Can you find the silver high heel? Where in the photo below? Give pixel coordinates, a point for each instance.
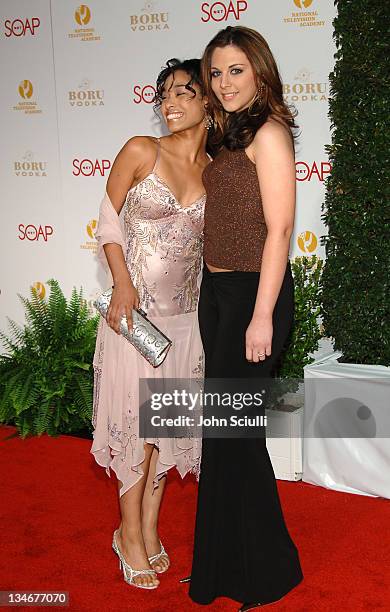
(128, 572)
(184, 580)
(154, 558)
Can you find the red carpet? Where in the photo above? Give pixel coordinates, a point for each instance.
(59, 511)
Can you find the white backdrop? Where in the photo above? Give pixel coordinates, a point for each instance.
(77, 82)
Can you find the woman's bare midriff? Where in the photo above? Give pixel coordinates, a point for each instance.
(214, 269)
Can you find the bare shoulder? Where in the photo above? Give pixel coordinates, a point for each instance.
(273, 133)
(134, 160)
(132, 163)
(139, 147)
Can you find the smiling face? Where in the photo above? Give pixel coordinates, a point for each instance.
(180, 108)
(233, 79)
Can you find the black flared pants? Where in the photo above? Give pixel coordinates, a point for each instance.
(242, 548)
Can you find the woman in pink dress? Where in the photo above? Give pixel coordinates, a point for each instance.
(155, 265)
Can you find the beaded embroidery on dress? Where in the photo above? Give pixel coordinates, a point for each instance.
(163, 251)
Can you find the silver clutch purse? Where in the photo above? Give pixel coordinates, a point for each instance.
(145, 337)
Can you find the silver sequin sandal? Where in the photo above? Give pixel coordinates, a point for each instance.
(154, 558)
(128, 572)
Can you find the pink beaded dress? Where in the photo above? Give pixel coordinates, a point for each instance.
(162, 244)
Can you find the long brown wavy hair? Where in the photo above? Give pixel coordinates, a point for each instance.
(237, 130)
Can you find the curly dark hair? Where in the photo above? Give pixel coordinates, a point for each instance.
(237, 130)
(190, 66)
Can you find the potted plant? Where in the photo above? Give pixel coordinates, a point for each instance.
(46, 375)
(356, 279)
(285, 417)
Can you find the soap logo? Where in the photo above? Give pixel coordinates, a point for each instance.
(35, 233)
(85, 95)
(82, 15)
(18, 27)
(150, 19)
(39, 290)
(90, 167)
(27, 166)
(91, 244)
(303, 3)
(91, 228)
(26, 89)
(305, 88)
(307, 241)
(305, 171)
(222, 11)
(143, 94)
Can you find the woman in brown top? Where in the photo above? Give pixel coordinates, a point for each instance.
(242, 546)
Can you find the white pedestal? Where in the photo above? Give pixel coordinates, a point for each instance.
(284, 441)
(347, 416)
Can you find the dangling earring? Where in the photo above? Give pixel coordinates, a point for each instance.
(257, 99)
(207, 121)
(260, 92)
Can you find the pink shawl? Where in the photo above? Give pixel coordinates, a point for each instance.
(109, 230)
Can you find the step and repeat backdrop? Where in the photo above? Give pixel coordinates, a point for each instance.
(77, 82)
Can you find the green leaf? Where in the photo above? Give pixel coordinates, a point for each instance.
(46, 376)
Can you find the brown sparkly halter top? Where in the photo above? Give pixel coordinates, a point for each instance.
(234, 224)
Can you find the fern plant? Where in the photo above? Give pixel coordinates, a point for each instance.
(46, 375)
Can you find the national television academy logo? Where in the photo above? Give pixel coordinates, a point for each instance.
(39, 290)
(304, 18)
(91, 244)
(27, 105)
(307, 241)
(91, 229)
(303, 3)
(26, 89)
(82, 17)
